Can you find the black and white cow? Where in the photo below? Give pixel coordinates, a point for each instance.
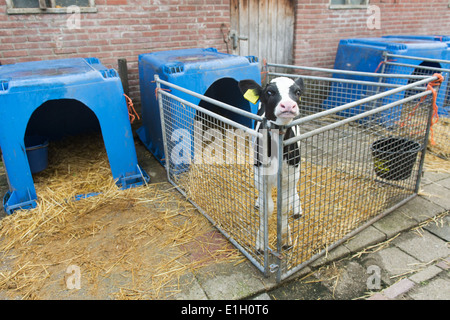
(278, 103)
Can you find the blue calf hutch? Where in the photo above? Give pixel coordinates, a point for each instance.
(204, 71)
(368, 54)
(438, 38)
(53, 99)
(443, 99)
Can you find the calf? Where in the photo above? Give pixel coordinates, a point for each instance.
(279, 104)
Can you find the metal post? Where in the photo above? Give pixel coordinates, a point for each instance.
(266, 194)
(123, 74)
(425, 143)
(281, 131)
(163, 126)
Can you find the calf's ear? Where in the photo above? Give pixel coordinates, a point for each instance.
(251, 90)
(299, 82)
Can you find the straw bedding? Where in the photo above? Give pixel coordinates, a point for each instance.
(143, 242)
(129, 244)
(438, 155)
(334, 202)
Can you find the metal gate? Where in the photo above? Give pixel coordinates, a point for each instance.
(209, 158)
(353, 169)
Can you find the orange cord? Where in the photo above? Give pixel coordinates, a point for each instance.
(435, 116)
(157, 89)
(132, 114)
(381, 63)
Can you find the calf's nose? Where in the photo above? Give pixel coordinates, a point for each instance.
(288, 106)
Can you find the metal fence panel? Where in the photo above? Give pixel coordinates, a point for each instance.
(210, 160)
(340, 186)
(350, 173)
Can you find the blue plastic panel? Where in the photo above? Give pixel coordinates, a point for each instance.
(439, 38)
(203, 71)
(366, 54)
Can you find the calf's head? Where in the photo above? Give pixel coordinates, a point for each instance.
(279, 98)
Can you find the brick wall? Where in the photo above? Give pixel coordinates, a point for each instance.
(120, 29)
(127, 28)
(318, 29)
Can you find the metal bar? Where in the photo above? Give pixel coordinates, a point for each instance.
(266, 194)
(163, 125)
(348, 236)
(337, 71)
(213, 101)
(360, 102)
(354, 118)
(424, 149)
(280, 200)
(212, 114)
(391, 55)
(359, 82)
(417, 66)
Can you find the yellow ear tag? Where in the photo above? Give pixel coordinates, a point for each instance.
(251, 96)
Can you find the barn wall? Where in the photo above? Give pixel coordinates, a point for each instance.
(318, 29)
(127, 28)
(120, 29)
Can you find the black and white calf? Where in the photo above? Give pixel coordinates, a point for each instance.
(278, 103)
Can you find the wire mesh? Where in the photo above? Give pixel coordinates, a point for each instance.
(211, 163)
(351, 174)
(356, 163)
(421, 66)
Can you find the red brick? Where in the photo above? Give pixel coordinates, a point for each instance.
(116, 2)
(123, 28)
(15, 53)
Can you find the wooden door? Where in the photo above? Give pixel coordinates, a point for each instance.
(263, 28)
